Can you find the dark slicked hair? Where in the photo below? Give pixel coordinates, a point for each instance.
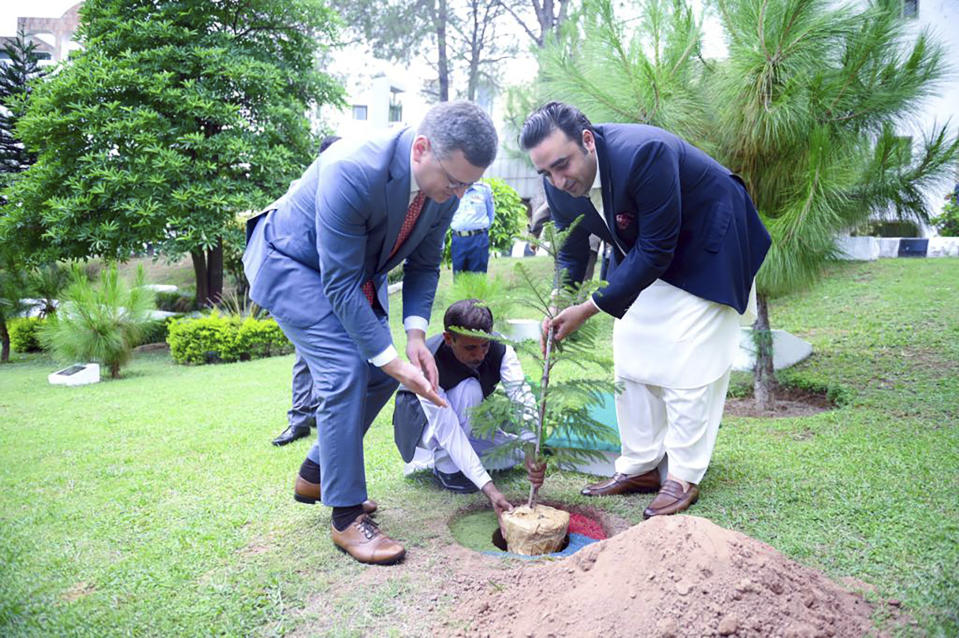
(328, 142)
(468, 314)
(461, 126)
(549, 117)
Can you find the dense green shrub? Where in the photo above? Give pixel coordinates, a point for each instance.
(24, 334)
(154, 331)
(510, 220)
(175, 301)
(261, 338)
(217, 338)
(947, 223)
(899, 228)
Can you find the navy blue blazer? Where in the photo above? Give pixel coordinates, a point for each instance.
(334, 230)
(671, 212)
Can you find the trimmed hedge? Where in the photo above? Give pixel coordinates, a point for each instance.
(23, 334)
(215, 338)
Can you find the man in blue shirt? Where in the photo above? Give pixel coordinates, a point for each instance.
(470, 229)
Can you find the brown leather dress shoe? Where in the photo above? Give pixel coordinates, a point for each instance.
(671, 499)
(307, 492)
(624, 484)
(364, 541)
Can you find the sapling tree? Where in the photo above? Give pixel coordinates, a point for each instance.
(563, 401)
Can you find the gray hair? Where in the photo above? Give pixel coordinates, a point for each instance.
(461, 126)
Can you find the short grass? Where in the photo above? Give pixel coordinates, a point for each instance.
(154, 505)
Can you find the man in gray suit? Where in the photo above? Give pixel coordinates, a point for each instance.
(318, 262)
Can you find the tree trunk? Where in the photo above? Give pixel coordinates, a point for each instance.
(5, 339)
(214, 270)
(764, 377)
(208, 271)
(442, 65)
(199, 274)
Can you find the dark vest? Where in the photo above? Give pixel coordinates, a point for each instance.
(452, 372)
(408, 417)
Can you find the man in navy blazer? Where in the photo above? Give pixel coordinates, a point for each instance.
(318, 261)
(687, 243)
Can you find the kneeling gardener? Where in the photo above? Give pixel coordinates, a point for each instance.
(469, 368)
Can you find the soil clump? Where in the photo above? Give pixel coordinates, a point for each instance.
(669, 576)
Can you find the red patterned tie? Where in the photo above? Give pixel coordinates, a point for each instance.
(412, 214)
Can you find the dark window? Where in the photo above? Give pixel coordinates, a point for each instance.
(910, 8)
(396, 112)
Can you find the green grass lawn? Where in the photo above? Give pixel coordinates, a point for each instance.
(155, 505)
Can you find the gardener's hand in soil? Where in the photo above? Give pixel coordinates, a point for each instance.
(496, 499)
(414, 379)
(536, 472)
(420, 356)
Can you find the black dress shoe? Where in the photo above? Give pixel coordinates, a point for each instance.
(455, 482)
(292, 433)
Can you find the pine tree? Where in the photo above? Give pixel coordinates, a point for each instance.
(22, 67)
(563, 406)
(808, 107)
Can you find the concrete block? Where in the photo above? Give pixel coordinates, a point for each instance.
(888, 247)
(858, 248)
(788, 350)
(943, 247)
(79, 374)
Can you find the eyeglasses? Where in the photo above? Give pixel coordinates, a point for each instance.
(454, 184)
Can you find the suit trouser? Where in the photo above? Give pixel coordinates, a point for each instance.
(350, 392)
(681, 424)
(471, 253)
(303, 405)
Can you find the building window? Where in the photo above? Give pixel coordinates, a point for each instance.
(396, 112)
(359, 112)
(910, 8)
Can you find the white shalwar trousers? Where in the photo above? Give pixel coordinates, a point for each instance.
(673, 354)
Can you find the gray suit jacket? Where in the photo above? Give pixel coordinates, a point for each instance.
(334, 230)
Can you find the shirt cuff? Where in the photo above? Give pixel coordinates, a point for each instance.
(415, 323)
(595, 305)
(384, 357)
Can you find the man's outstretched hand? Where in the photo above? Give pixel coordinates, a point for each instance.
(414, 379)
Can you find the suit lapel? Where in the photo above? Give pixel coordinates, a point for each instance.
(397, 195)
(606, 179)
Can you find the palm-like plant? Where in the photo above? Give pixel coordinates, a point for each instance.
(806, 107)
(99, 323)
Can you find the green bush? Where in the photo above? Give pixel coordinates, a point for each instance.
(510, 220)
(154, 331)
(24, 334)
(900, 228)
(216, 338)
(175, 301)
(948, 222)
(261, 338)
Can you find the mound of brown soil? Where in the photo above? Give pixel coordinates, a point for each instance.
(670, 576)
